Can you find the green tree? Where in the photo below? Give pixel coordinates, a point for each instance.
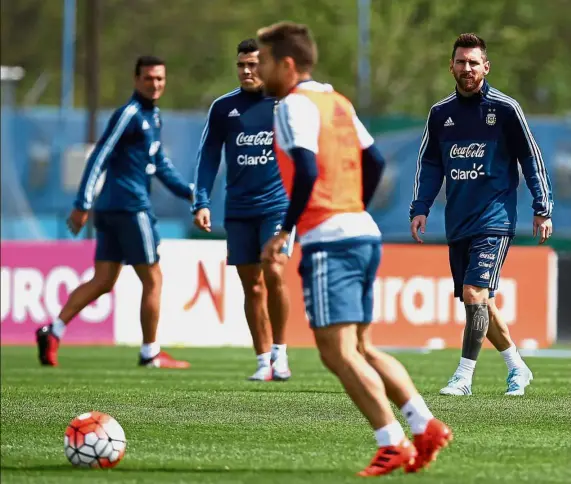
(410, 50)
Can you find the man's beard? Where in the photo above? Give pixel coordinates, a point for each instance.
(470, 83)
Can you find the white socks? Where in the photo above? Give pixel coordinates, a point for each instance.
(58, 328)
(150, 350)
(417, 414)
(391, 434)
(263, 359)
(466, 368)
(512, 358)
(278, 352)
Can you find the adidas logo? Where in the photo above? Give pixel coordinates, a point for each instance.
(233, 113)
(485, 276)
(449, 122)
(146, 125)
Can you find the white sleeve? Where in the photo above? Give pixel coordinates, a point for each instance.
(297, 123)
(364, 137)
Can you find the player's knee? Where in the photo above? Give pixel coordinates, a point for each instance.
(153, 281)
(330, 359)
(254, 289)
(474, 295)
(367, 350)
(153, 284)
(334, 358)
(103, 286)
(273, 275)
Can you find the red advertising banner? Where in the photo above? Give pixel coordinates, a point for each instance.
(415, 307)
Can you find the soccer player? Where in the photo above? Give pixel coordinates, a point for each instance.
(475, 138)
(331, 168)
(241, 121)
(131, 153)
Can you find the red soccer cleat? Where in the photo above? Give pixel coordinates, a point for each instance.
(164, 360)
(436, 436)
(47, 346)
(390, 458)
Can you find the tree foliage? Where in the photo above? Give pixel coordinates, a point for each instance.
(410, 46)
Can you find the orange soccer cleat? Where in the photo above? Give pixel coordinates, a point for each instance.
(47, 346)
(390, 458)
(436, 436)
(164, 360)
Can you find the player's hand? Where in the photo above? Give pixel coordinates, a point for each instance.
(418, 224)
(202, 219)
(274, 246)
(543, 227)
(76, 220)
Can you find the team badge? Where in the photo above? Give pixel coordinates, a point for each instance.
(491, 119)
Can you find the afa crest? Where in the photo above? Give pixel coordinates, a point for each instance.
(491, 119)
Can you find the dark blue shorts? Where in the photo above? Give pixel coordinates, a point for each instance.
(245, 238)
(338, 282)
(478, 261)
(130, 238)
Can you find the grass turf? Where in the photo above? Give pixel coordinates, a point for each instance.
(209, 425)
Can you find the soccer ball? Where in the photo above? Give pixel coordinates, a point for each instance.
(94, 439)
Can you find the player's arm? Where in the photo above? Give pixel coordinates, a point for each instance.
(522, 144)
(297, 126)
(429, 172)
(208, 158)
(170, 176)
(373, 163)
(97, 162)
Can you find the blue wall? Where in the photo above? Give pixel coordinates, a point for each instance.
(37, 133)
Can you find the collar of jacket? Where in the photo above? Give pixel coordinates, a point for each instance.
(145, 102)
(475, 98)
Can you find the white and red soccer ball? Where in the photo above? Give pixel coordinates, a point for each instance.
(94, 439)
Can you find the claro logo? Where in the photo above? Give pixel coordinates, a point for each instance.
(29, 294)
(426, 300)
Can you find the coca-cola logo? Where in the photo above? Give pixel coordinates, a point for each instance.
(473, 150)
(263, 138)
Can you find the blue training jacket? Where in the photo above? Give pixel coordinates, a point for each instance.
(475, 143)
(242, 123)
(130, 152)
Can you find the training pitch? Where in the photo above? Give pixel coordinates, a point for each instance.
(209, 425)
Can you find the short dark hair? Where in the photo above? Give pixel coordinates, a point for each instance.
(470, 41)
(247, 46)
(288, 39)
(147, 61)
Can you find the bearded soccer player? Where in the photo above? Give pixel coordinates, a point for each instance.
(131, 153)
(240, 122)
(331, 168)
(475, 138)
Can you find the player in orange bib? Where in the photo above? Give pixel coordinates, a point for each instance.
(331, 168)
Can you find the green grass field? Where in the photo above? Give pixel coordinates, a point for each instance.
(209, 425)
